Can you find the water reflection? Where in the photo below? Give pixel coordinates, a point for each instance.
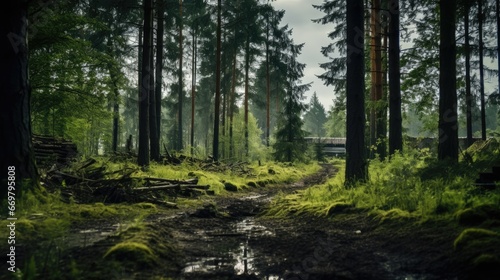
(239, 259)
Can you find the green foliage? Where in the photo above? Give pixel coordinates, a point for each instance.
(408, 185)
(256, 149)
(132, 251)
(477, 237)
(335, 125)
(315, 118)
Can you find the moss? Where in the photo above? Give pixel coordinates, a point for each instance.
(477, 239)
(132, 251)
(337, 208)
(487, 260)
(490, 210)
(252, 184)
(485, 266)
(471, 217)
(394, 214)
(228, 186)
(146, 205)
(261, 184)
(24, 227)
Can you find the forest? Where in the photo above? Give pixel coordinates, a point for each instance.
(162, 139)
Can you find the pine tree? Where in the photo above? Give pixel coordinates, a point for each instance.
(356, 165)
(315, 117)
(16, 153)
(448, 125)
(290, 144)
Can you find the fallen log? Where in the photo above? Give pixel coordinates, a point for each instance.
(188, 181)
(170, 187)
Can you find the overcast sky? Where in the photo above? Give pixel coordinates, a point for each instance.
(298, 15)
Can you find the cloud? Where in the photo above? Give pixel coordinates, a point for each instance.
(298, 15)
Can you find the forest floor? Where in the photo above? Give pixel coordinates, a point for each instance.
(230, 237)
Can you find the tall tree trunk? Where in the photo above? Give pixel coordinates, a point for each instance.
(231, 105)
(497, 11)
(115, 100)
(268, 88)
(153, 133)
(247, 81)
(140, 49)
(217, 84)
(448, 126)
(159, 67)
(481, 69)
(376, 72)
(395, 119)
(382, 106)
(468, 94)
(180, 94)
(143, 153)
(193, 92)
(16, 152)
(224, 89)
(356, 166)
(116, 118)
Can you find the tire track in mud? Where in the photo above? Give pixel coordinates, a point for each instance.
(219, 242)
(230, 241)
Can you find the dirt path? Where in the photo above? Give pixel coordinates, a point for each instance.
(230, 241)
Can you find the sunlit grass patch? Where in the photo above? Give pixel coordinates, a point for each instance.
(400, 188)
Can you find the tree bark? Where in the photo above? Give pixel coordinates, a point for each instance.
(217, 84)
(376, 73)
(115, 100)
(497, 12)
(193, 92)
(180, 93)
(268, 87)
(448, 125)
(16, 152)
(143, 153)
(468, 94)
(231, 104)
(382, 106)
(356, 166)
(159, 67)
(153, 133)
(247, 81)
(395, 119)
(481, 69)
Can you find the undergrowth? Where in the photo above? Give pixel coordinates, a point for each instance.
(410, 185)
(44, 218)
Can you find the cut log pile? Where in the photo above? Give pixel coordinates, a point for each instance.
(50, 150)
(89, 183)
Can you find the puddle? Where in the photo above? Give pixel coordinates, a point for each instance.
(87, 237)
(232, 252)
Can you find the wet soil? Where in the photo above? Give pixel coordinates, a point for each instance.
(230, 238)
(234, 241)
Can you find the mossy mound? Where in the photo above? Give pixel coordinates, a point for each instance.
(230, 187)
(477, 239)
(478, 215)
(393, 215)
(471, 217)
(485, 266)
(208, 211)
(337, 208)
(136, 252)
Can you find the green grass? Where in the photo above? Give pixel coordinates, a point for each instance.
(44, 218)
(411, 185)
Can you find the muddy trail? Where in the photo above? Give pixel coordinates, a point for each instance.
(231, 239)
